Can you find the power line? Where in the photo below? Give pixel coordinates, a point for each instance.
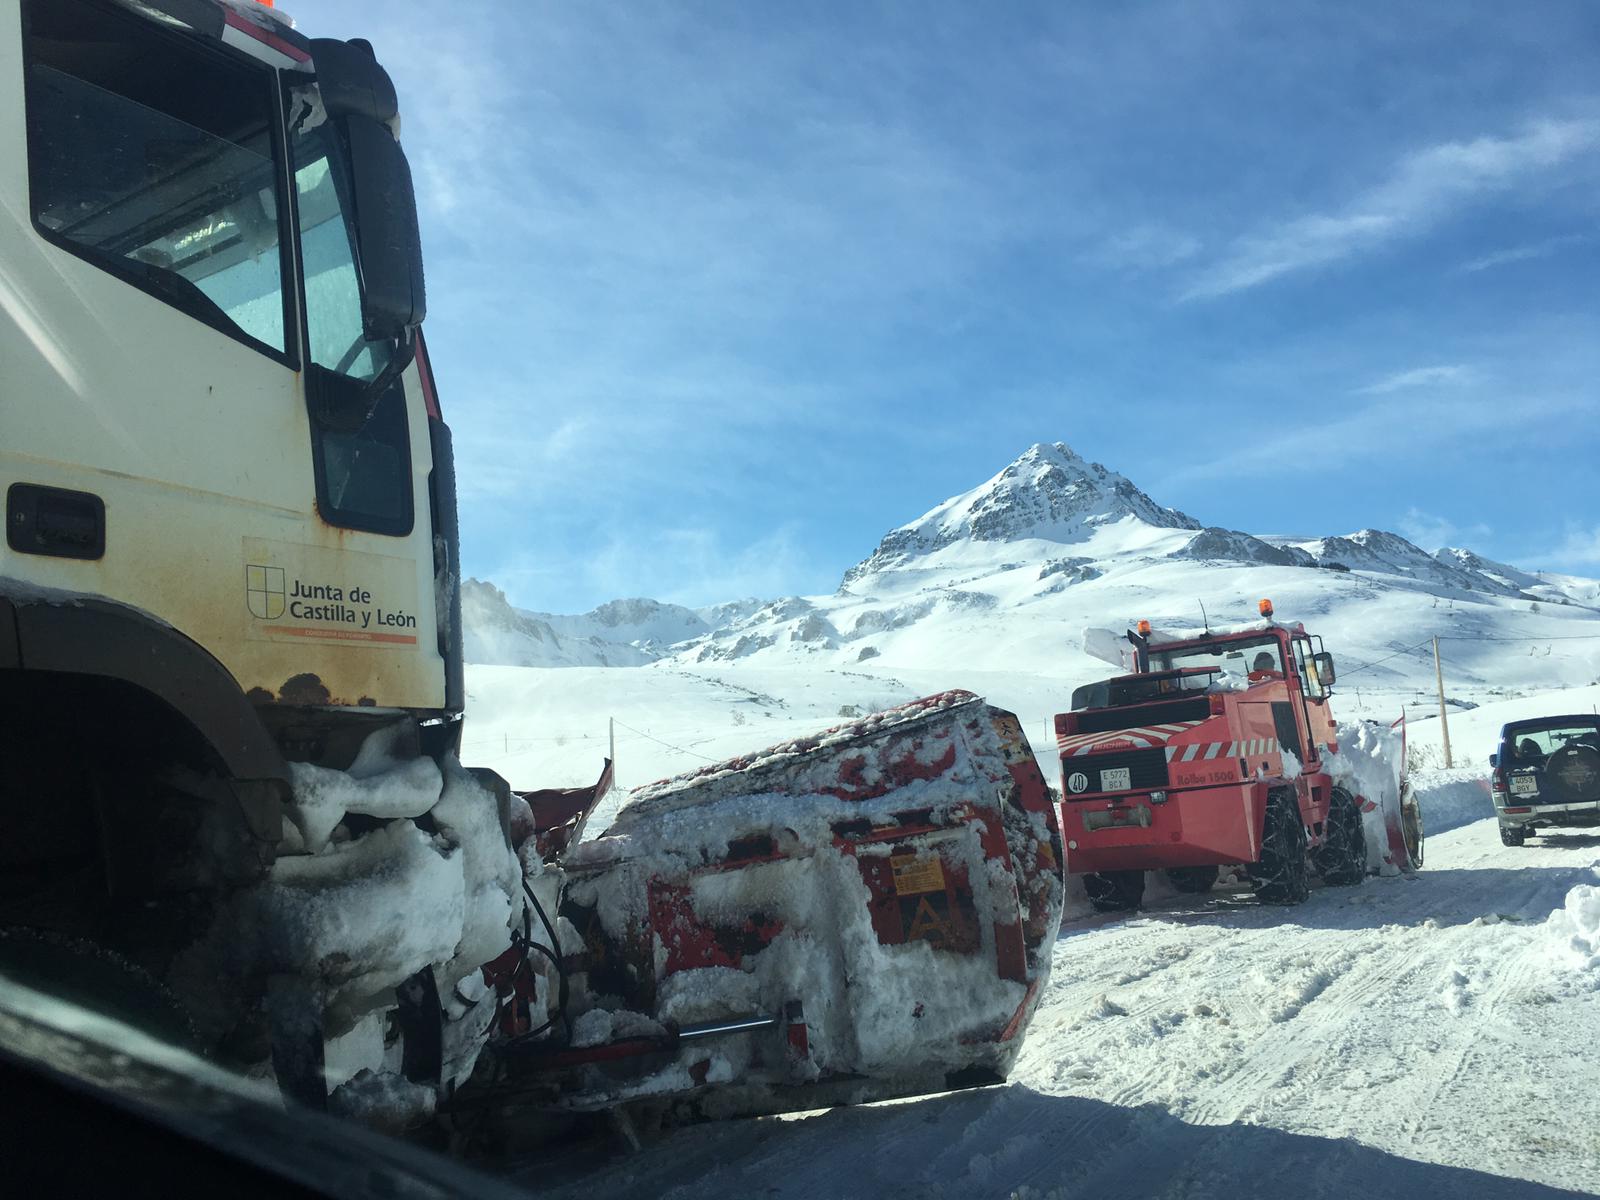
(1484, 637)
(668, 745)
(525, 746)
(1346, 673)
(1470, 637)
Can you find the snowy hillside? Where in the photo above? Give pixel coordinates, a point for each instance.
(1007, 575)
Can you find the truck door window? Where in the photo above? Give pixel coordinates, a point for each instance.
(364, 475)
(1308, 669)
(154, 160)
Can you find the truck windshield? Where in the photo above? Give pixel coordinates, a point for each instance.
(1255, 657)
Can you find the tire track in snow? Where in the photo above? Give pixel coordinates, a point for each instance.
(1115, 1021)
(1333, 1018)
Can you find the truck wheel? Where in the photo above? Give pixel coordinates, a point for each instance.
(1193, 880)
(1513, 835)
(1342, 857)
(1115, 891)
(1281, 872)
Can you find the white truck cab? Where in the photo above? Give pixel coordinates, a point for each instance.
(229, 496)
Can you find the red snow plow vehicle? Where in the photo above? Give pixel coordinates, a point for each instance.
(1220, 750)
(862, 914)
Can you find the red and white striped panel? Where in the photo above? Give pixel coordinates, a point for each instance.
(1143, 738)
(263, 38)
(1202, 751)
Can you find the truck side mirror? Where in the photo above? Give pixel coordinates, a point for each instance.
(1494, 760)
(1325, 672)
(389, 246)
(359, 98)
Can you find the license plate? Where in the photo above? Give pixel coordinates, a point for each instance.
(1115, 779)
(1524, 785)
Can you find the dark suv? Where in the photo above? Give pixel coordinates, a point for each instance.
(1546, 773)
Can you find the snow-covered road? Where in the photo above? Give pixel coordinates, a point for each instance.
(1410, 1036)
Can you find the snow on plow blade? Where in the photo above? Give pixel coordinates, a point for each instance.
(1369, 762)
(866, 913)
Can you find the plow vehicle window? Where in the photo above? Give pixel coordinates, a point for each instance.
(363, 476)
(1310, 681)
(1244, 659)
(154, 160)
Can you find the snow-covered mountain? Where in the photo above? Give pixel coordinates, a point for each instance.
(1049, 494)
(620, 633)
(1005, 576)
(494, 632)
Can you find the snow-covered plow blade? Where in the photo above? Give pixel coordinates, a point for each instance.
(1370, 763)
(862, 914)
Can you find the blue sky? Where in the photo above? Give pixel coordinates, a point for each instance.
(719, 293)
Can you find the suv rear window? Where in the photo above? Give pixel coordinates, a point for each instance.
(1529, 745)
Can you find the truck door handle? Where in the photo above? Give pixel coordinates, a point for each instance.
(55, 522)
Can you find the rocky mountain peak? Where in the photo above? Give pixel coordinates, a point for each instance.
(1049, 493)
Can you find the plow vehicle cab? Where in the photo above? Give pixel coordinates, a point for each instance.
(1213, 751)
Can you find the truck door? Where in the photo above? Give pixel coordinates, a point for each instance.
(362, 466)
(1319, 719)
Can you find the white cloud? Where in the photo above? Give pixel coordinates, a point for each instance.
(1372, 434)
(1147, 247)
(1433, 532)
(1580, 548)
(1422, 190)
(628, 561)
(1524, 253)
(1419, 377)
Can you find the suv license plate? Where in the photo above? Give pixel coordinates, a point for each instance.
(1116, 779)
(1524, 785)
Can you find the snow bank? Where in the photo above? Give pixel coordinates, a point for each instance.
(1572, 933)
(1451, 799)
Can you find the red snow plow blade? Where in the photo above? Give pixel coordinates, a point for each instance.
(862, 914)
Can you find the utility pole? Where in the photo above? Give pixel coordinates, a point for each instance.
(611, 741)
(1444, 719)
